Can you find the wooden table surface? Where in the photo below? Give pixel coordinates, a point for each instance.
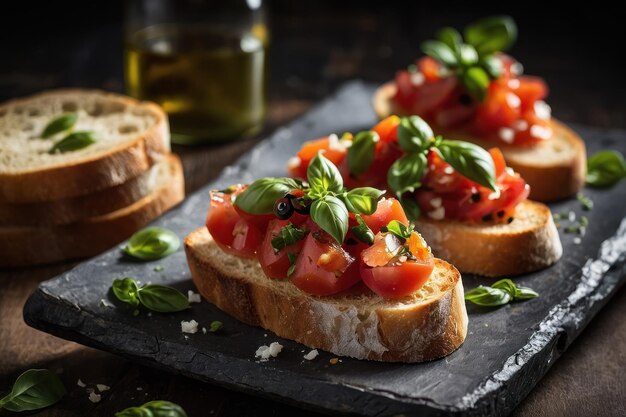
(589, 379)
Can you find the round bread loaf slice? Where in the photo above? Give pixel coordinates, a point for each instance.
(25, 246)
(554, 169)
(132, 137)
(529, 243)
(75, 209)
(428, 325)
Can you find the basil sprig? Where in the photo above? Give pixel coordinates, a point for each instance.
(159, 298)
(362, 231)
(152, 243)
(33, 390)
(329, 201)
(288, 235)
(473, 61)
(499, 293)
(74, 141)
(156, 408)
(399, 229)
(60, 124)
(362, 151)
(416, 138)
(605, 168)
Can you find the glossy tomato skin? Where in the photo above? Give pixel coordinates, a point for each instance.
(323, 268)
(397, 281)
(276, 264)
(308, 151)
(388, 209)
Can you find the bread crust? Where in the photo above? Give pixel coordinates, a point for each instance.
(95, 172)
(26, 246)
(531, 244)
(548, 181)
(389, 331)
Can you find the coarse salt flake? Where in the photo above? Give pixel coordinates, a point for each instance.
(311, 355)
(417, 79)
(193, 297)
(95, 398)
(189, 326)
(513, 100)
(294, 162)
(102, 387)
(81, 383)
(265, 352)
(540, 132)
(437, 214)
(506, 134)
(542, 110)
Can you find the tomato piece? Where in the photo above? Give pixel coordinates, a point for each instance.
(498, 161)
(276, 264)
(430, 96)
(430, 68)
(454, 115)
(220, 223)
(309, 149)
(500, 108)
(397, 281)
(388, 209)
(323, 267)
(531, 129)
(387, 129)
(529, 89)
(259, 220)
(246, 239)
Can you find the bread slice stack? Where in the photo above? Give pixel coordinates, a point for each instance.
(77, 203)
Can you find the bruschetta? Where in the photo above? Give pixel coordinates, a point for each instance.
(465, 201)
(468, 89)
(334, 269)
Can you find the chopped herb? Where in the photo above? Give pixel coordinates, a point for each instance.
(362, 231)
(585, 201)
(499, 293)
(159, 268)
(292, 261)
(288, 235)
(215, 326)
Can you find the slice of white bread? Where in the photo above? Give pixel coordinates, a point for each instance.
(428, 325)
(529, 243)
(554, 169)
(133, 136)
(25, 246)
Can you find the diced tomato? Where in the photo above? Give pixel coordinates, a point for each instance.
(388, 209)
(454, 115)
(276, 264)
(308, 151)
(500, 108)
(323, 267)
(529, 89)
(431, 96)
(259, 220)
(246, 239)
(387, 129)
(430, 68)
(498, 161)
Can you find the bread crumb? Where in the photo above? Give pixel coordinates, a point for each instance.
(189, 326)
(193, 297)
(81, 383)
(102, 387)
(311, 355)
(95, 398)
(265, 352)
(334, 361)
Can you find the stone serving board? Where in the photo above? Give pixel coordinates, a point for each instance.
(507, 350)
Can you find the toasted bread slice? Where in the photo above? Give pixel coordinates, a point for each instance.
(529, 243)
(133, 136)
(74, 209)
(554, 169)
(428, 325)
(21, 246)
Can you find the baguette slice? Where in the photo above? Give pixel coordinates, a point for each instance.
(133, 137)
(74, 209)
(529, 243)
(428, 325)
(554, 169)
(22, 246)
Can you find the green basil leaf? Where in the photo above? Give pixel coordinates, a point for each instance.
(331, 215)
(440, 51)
(74, 142)
(468, 55)
(323, 175)
(33, 390)
(361, 153)
(469, 160)
(60, 124)
(525, 293)
(261, 195)
(162, 299)
(506, 285)
(476, 81)
(491, 65)
(362, 231)
(399, 229)
(156, 408)
(292, 263)
(362, 200)
(411, 208)
(405, 175)
(414, 134)
(605, 168)
(488, 297)
(216, 326)
(125, 290)
(152, 243)
(584, 201)
(288, 235)
(491, 34)
(451, 37)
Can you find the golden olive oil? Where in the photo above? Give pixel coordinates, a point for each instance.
(211, 83)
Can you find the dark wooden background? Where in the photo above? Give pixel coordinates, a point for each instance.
(314, 48)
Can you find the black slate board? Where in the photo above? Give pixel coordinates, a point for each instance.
(506, 352)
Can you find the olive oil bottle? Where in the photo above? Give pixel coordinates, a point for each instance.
(210, 79)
